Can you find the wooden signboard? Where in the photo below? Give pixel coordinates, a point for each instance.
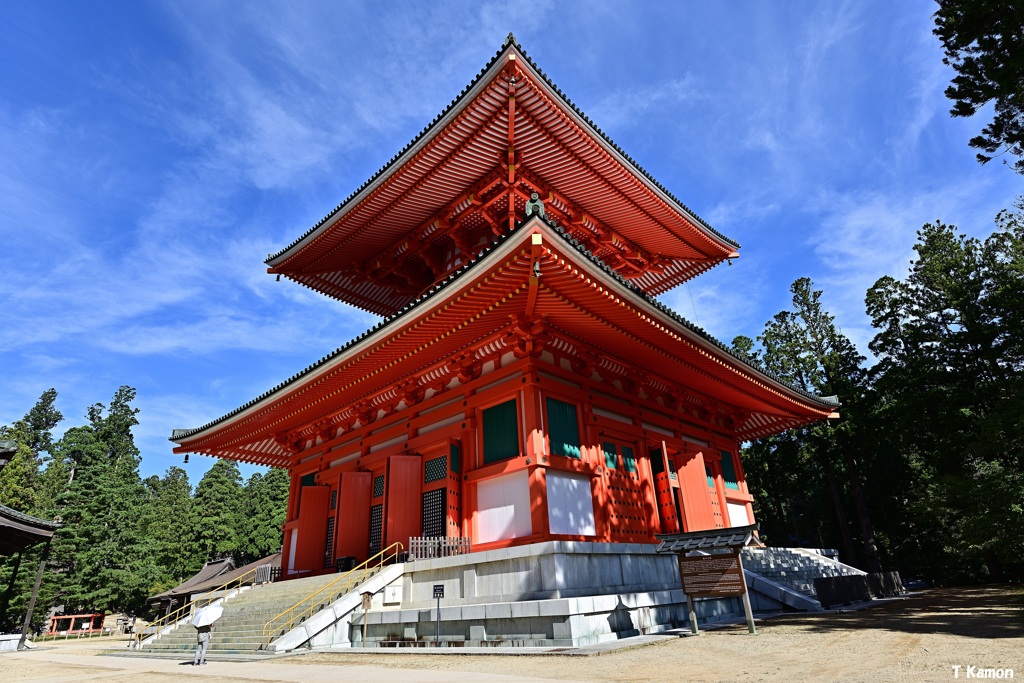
(712, 576)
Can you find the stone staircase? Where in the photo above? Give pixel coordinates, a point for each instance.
(239, 631)
(794, 568)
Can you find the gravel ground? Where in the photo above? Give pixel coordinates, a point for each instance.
(920, 638)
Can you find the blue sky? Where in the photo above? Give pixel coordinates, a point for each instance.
(152, 155)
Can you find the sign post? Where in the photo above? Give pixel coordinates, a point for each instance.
(438, 593)
(716, 572)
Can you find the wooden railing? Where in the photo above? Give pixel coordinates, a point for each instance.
(425, 548)
(314, 602)
(158, 627)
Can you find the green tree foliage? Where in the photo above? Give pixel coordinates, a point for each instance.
(171, 528)
(984, 43)
(950, 378)
(20, 480)
(266, 502)
(218, 511)
(101, 557)
(805, 348)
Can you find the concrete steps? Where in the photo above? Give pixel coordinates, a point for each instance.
(794, 568)
(239, 631)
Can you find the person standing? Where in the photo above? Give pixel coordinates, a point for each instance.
(203, 641)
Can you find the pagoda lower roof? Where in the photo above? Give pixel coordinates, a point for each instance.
(511, 132)
(579, 301)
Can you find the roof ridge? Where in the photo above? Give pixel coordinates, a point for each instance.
(510, 41)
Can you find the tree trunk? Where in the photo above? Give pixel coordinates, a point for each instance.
(867, 529)
(837, 502)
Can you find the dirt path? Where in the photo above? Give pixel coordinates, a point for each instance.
(917, 639)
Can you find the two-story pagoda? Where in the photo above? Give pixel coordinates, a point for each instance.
(524, 385)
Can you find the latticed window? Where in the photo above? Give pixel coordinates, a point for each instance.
(433, 513)
(501, 432)
(329, 545)
(376, 528)
(378, 486)
(435, 469)
(563, 429)
(729, 471)
(334, 499)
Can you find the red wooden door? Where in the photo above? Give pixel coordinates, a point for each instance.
(312, 529)
(693, 489)
(404, 499)
(354, 515)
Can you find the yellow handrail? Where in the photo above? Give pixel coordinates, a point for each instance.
(286, 620)
(155, 627)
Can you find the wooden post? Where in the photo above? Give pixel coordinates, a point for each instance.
(694, 628)
(35, 593)
(746, 594)
(367, 600)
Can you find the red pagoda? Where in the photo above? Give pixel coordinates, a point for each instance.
(524, 385)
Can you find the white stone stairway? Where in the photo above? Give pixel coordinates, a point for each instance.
(794, 568)
(239, 631)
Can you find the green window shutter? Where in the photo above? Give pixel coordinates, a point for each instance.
(729, 471)
(453, 457)
(629, 459)
(657, 462)
(563, 429)
(501, 432)
(611, 456)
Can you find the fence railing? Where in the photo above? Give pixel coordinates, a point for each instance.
(316, 601)
(425, 548)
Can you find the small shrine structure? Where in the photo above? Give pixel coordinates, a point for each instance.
(525, 384)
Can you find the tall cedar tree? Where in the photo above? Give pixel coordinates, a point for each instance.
(804, 347)
(983, 41)
(23, 487)
(171, 528)
(266, 501)
(101, 558)
(219, 507)
(950, 379)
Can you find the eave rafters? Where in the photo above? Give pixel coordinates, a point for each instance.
(513, 117)
(378, 370)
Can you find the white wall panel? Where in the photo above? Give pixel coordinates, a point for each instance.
(503, 508)
(570, 504)
(738, 514)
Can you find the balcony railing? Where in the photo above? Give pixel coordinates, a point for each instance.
(425, 548)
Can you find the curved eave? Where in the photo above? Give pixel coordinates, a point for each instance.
(454, 109)
(818, 407)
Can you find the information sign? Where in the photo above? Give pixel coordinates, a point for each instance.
(712, 576)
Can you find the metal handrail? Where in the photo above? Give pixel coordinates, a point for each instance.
(286, 620)
(154, 628)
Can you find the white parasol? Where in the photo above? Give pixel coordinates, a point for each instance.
(207, 615)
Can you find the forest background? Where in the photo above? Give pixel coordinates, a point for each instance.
(921, 474)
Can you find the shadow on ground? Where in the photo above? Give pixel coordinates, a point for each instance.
(985, 612)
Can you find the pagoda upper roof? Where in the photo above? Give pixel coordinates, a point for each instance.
(510, 133)
(580, 299)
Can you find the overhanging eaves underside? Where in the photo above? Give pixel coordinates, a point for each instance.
(556, 149)
(579, 300)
